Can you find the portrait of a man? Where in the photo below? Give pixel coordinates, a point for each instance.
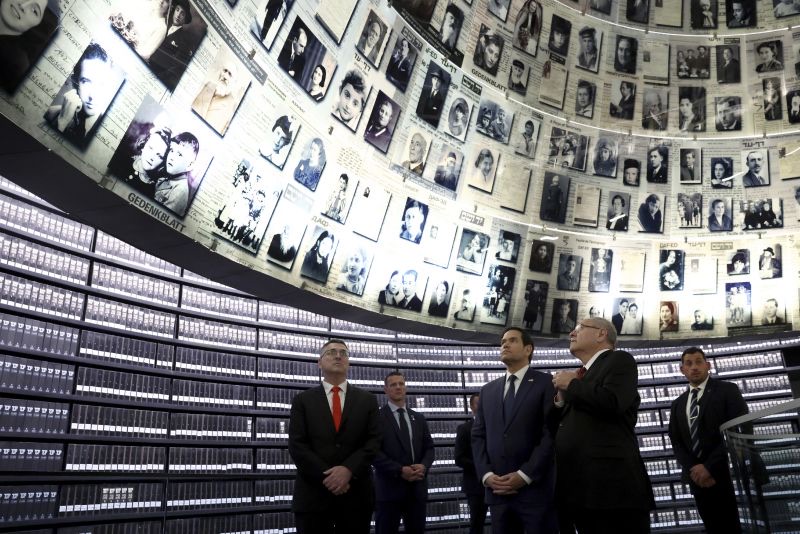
(434, 92)
(222, 92)
(382, 122)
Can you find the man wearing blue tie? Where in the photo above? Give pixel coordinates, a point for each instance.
(511, 444)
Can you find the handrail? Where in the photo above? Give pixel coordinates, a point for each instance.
(749, 417)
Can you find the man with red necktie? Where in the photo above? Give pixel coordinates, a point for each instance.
(334, 433)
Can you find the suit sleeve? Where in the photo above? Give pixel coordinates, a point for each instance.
(735, 406)
(463, 448)
(478, 437)
(308, 462)
(382, 462)
(427, 445)
(543, 455)
(358, 462)
(682, 454)
(611, 396)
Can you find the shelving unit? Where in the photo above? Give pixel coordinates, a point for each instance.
(138, 395)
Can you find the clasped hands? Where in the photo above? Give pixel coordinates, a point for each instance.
(506, 484)
(337, 480)
(413, 472)
(700, 476)
(561, 379)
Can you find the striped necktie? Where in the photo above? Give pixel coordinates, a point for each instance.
(694, 412)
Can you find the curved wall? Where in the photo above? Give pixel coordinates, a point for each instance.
(464, 184)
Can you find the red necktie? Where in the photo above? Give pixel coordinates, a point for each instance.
(581, 372)
(336, 408)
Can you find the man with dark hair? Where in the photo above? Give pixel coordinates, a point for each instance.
(728, 70)
(292, 58)
(570, 277)
(402, 463)
(587, 57)
(602, 485)
(172, 191)
(430, 103)
(625, 56)
(170, 59)
(470, 484)
(512, 443)
(410, 299)
(753, 176)
(271, 12)
(378, 132)
(619, 317)
(446, 174)
(333, 485)
(695, 418)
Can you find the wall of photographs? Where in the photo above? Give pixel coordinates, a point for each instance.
(467, 164)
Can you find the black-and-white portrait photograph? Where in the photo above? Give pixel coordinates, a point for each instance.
(319, 258)
(604, 161)
(280, 140)
(569, 272)
(631, 172)
(222, 91)
(268, 19)
(702, 318)
(651, 215)
(793, 106)
(438, 240)
(488, 50)
(691, 109)
(80, 105)
(719, 219)
(415, 152)
(450, 30)
(447, 170)
(772, 312)
(353, 93)
(164, 34)
(163, 157)
(494, 120)
(585, 92)
(690, 210)
(373, 39)
(312, 162)
(728, 66)
(721, 171)
(737, 304)
(434, 92)
(600, 270)
(690, 166)
(657, 164)
(528, 27)
(508, 244)
(785, 8)
(541, 256)
(740, 13)
(761, 213)
(401, 63)
(739, 262)
(439, 302)
(668, 316)
(589, 42)
(405, 289)
(655, 109)
(568, 149)
(728, 113)
(481, 168)
(769, 56)
(601, 6)
(526, 137)
(757, 164)
(369, 210)
(472, 251)
(458, 117)
(769, 262)
(465, 305)
(340, 198)
(626, 317)
(498, 290)
(638, 11)
(382, 122)
(252, 198)
(355, 265)
(560, 30)
(413, 222)
(565, 316)
(535, 298)
(518, 77)
(287, 227)
(670, 270)
(618, 211)
(625, 54)
(306, 60)
(623, 99)
(421, 11)
(555, 192)
(703, 14)
(771, 90)
(23, 39)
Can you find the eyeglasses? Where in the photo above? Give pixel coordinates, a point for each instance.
(581, 325)
(344, 353)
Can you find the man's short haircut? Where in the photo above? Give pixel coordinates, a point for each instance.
(411, 272)
(652, 198)
(608, 326)
(93, 51)
(524, 336)
(751, 153)
(623, 301)
(356, 81)
(331, 341)
(693, 350)
(772, 300)
(717, 201)
(300, 31)
(187, 138)
(393, 373)
(473, 398)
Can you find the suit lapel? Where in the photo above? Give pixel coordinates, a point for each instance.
(393, 422)
(706, 399)
(321, 399)
(683, 422)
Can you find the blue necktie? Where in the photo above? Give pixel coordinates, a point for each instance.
(694, 412)
(508, 401)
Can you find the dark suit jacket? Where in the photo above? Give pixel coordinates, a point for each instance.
(430, 108)
(286, 62)
(721, 402)
(470, 484)
(172, 56)
(315, 446)
(394, 454)
(597, 453)
(523, 444)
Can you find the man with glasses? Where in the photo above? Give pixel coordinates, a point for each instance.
(402, 464)
(602, 485)
(334, 433)
(513, 445)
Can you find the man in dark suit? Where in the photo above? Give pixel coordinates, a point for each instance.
(430, 103)
(470, 484)
(727, 66)
(170, 59)
(334, 433)
(619, 317)
(695, 418)
(602, 485)
(292, 58)
(512, 444)
(753, 176)
(402, 463)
